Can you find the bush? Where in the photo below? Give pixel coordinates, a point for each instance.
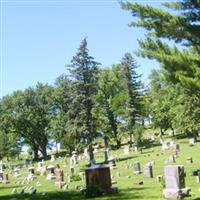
(75, 177)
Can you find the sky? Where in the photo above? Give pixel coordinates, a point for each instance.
(38, 38)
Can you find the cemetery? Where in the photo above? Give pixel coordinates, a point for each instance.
(135, 175)
(123, 125)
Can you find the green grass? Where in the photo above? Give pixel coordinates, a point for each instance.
(128, 187)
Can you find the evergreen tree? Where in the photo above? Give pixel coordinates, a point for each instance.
(182, 27)
(133, 86)
(83, 72)
(181, 57)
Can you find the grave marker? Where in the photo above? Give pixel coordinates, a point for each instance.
(136, 167)
(174, 182)
(148, 171)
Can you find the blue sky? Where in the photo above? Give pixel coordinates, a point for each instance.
(40, 37)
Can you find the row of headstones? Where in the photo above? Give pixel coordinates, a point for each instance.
(174, 177)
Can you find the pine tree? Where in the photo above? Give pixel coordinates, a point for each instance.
(183, 28)
(133, 88)
(83, 72)
(181, 57)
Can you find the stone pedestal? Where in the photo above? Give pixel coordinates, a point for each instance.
(59, 177)
(175, 193)
(198, 178)
(126, 150)
(5, 179)
(51, 173)
(175, 182)
(99, 176)
(137, 168)
(31, 176)
(148, 171)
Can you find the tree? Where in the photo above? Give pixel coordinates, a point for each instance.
(133, 88)
(62, 101)
(160, 95)
(182, 64)
(32, 112)
(83, 72)
(109, 103)
(9, 138)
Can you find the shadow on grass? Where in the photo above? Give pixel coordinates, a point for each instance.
(128, 194)
(127, 158)
(10, 187)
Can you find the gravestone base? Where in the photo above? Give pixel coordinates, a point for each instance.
(31, 177)
(50, 177)
(137, 172)
(5, 182)
(176, 193)
(59, 184)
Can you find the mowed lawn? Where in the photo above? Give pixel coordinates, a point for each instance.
(127, 183)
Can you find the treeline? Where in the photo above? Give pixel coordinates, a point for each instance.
(90, 101)
(85, 103)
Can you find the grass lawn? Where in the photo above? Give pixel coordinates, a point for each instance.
(126, 183)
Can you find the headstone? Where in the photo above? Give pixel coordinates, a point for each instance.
(1, 166)
(51, 172)
(99, 175)
(5, 179)
(136, 149)
(136, 167)
(190, 160)
(31, 175)
(191, 142)
(1, 177)
(159, 178)
(53, 158)
(86, 153)
(126, 150)
(176, 148)
(74, 158)
(198, 178)
(40, 165)
(59, 177)
(43, 170)
(171, 159)
(165, 145)
(148, 171)
(175, 182)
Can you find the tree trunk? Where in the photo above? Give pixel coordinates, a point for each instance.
(173, 133)
(160, 136)
(35, 153)
(106, 149)
(195, 133)
(91, 154)
(118, 143)
(43, 150)
(130, 140)
(43, 147)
